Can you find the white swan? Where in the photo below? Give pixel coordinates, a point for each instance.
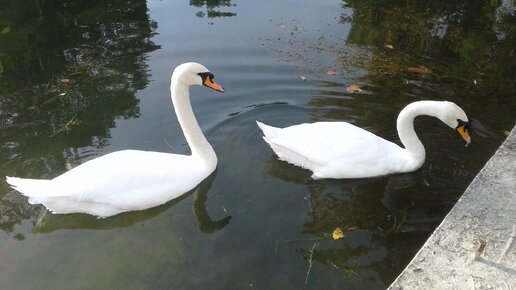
(342, 150)
(130, 179)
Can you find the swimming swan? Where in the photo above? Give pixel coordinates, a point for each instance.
(342, 150)
(131, 180)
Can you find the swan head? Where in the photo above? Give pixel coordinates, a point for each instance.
(453, 116)
(192, 73)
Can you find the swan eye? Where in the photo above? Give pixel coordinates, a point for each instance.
(206, 76)
(464, 125)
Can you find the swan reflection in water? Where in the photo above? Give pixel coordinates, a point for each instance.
(51, 222)
(386, 194)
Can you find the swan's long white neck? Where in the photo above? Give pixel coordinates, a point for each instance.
(193, 133)
(405, 126)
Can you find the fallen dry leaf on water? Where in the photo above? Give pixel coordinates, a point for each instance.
(337, 234)
(420, 70)
(353, 88)
(331, 72)
(389, 46)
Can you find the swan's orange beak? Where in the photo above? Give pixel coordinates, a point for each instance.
(213, 85)
(463, 131)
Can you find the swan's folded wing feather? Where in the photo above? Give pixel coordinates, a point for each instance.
(325, 142)
(129, 178)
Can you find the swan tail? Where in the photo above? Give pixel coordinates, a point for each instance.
(269, 132)
(35, 189)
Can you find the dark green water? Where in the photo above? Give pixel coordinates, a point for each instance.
(80, 79)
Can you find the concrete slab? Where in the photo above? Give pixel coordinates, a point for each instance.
(475, 245)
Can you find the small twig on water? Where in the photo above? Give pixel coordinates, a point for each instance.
(310, 261)
(66, 126)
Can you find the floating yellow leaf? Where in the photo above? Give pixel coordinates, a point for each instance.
(337, 234)
(353, 88)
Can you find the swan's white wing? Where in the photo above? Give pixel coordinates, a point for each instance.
(323, 142)
(336, 149)
(127, 179)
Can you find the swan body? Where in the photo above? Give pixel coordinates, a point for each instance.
(342, 150)
(130, 180)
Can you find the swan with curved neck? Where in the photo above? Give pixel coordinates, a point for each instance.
(131, 180)
(342, 150)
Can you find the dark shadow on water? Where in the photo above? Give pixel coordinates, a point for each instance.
(68, 71)
(52, 222)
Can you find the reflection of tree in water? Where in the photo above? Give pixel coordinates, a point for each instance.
(68, 71)
(468, 45)
(211, 6)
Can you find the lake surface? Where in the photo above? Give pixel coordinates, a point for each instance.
(85, 78)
